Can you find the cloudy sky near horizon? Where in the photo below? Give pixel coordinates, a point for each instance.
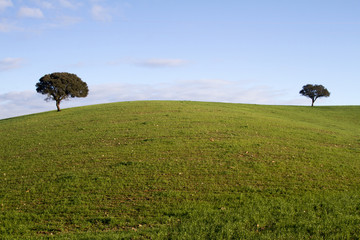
(241, 51)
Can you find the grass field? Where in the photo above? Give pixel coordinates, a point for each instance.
(181, 170)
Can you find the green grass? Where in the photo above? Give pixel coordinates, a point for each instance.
(181, 170)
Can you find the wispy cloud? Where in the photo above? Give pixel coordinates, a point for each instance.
(21, 103)
(69, 4)
(218, 90)
(45, 4)
(5, 4)
(69, 20)
(6, 26)
(211, 90)
(158, 62)
(10, 63)
(63, 21)
(76, 65)
(99, 13)
(30, 12)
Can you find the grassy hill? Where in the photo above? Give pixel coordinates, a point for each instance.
(181, 170)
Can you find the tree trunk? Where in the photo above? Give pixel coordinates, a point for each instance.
(312, 102)
(58, 106)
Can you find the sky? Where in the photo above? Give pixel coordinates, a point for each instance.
(239, 51)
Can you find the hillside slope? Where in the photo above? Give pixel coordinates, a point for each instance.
(178, 169)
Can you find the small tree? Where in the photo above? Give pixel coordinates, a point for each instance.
(61, 85)
(314, 92)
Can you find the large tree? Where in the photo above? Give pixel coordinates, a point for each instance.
(314, 92)
(61, 85)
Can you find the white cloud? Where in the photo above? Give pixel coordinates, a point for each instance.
(77, 64)
(27, 102)
(218, 90)
(214, 90)
(69, 20)
(22, 103)
(100, 13)
(10, 63)
(30, 12)
(69, 4)
(211, 90)
(162, 62)
(5, 4)
(62, 21)
(7, 27)
(45, 4)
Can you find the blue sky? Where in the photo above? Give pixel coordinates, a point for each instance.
(252, 51)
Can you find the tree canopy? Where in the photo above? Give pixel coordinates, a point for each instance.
(61, 85)
(314, 92)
